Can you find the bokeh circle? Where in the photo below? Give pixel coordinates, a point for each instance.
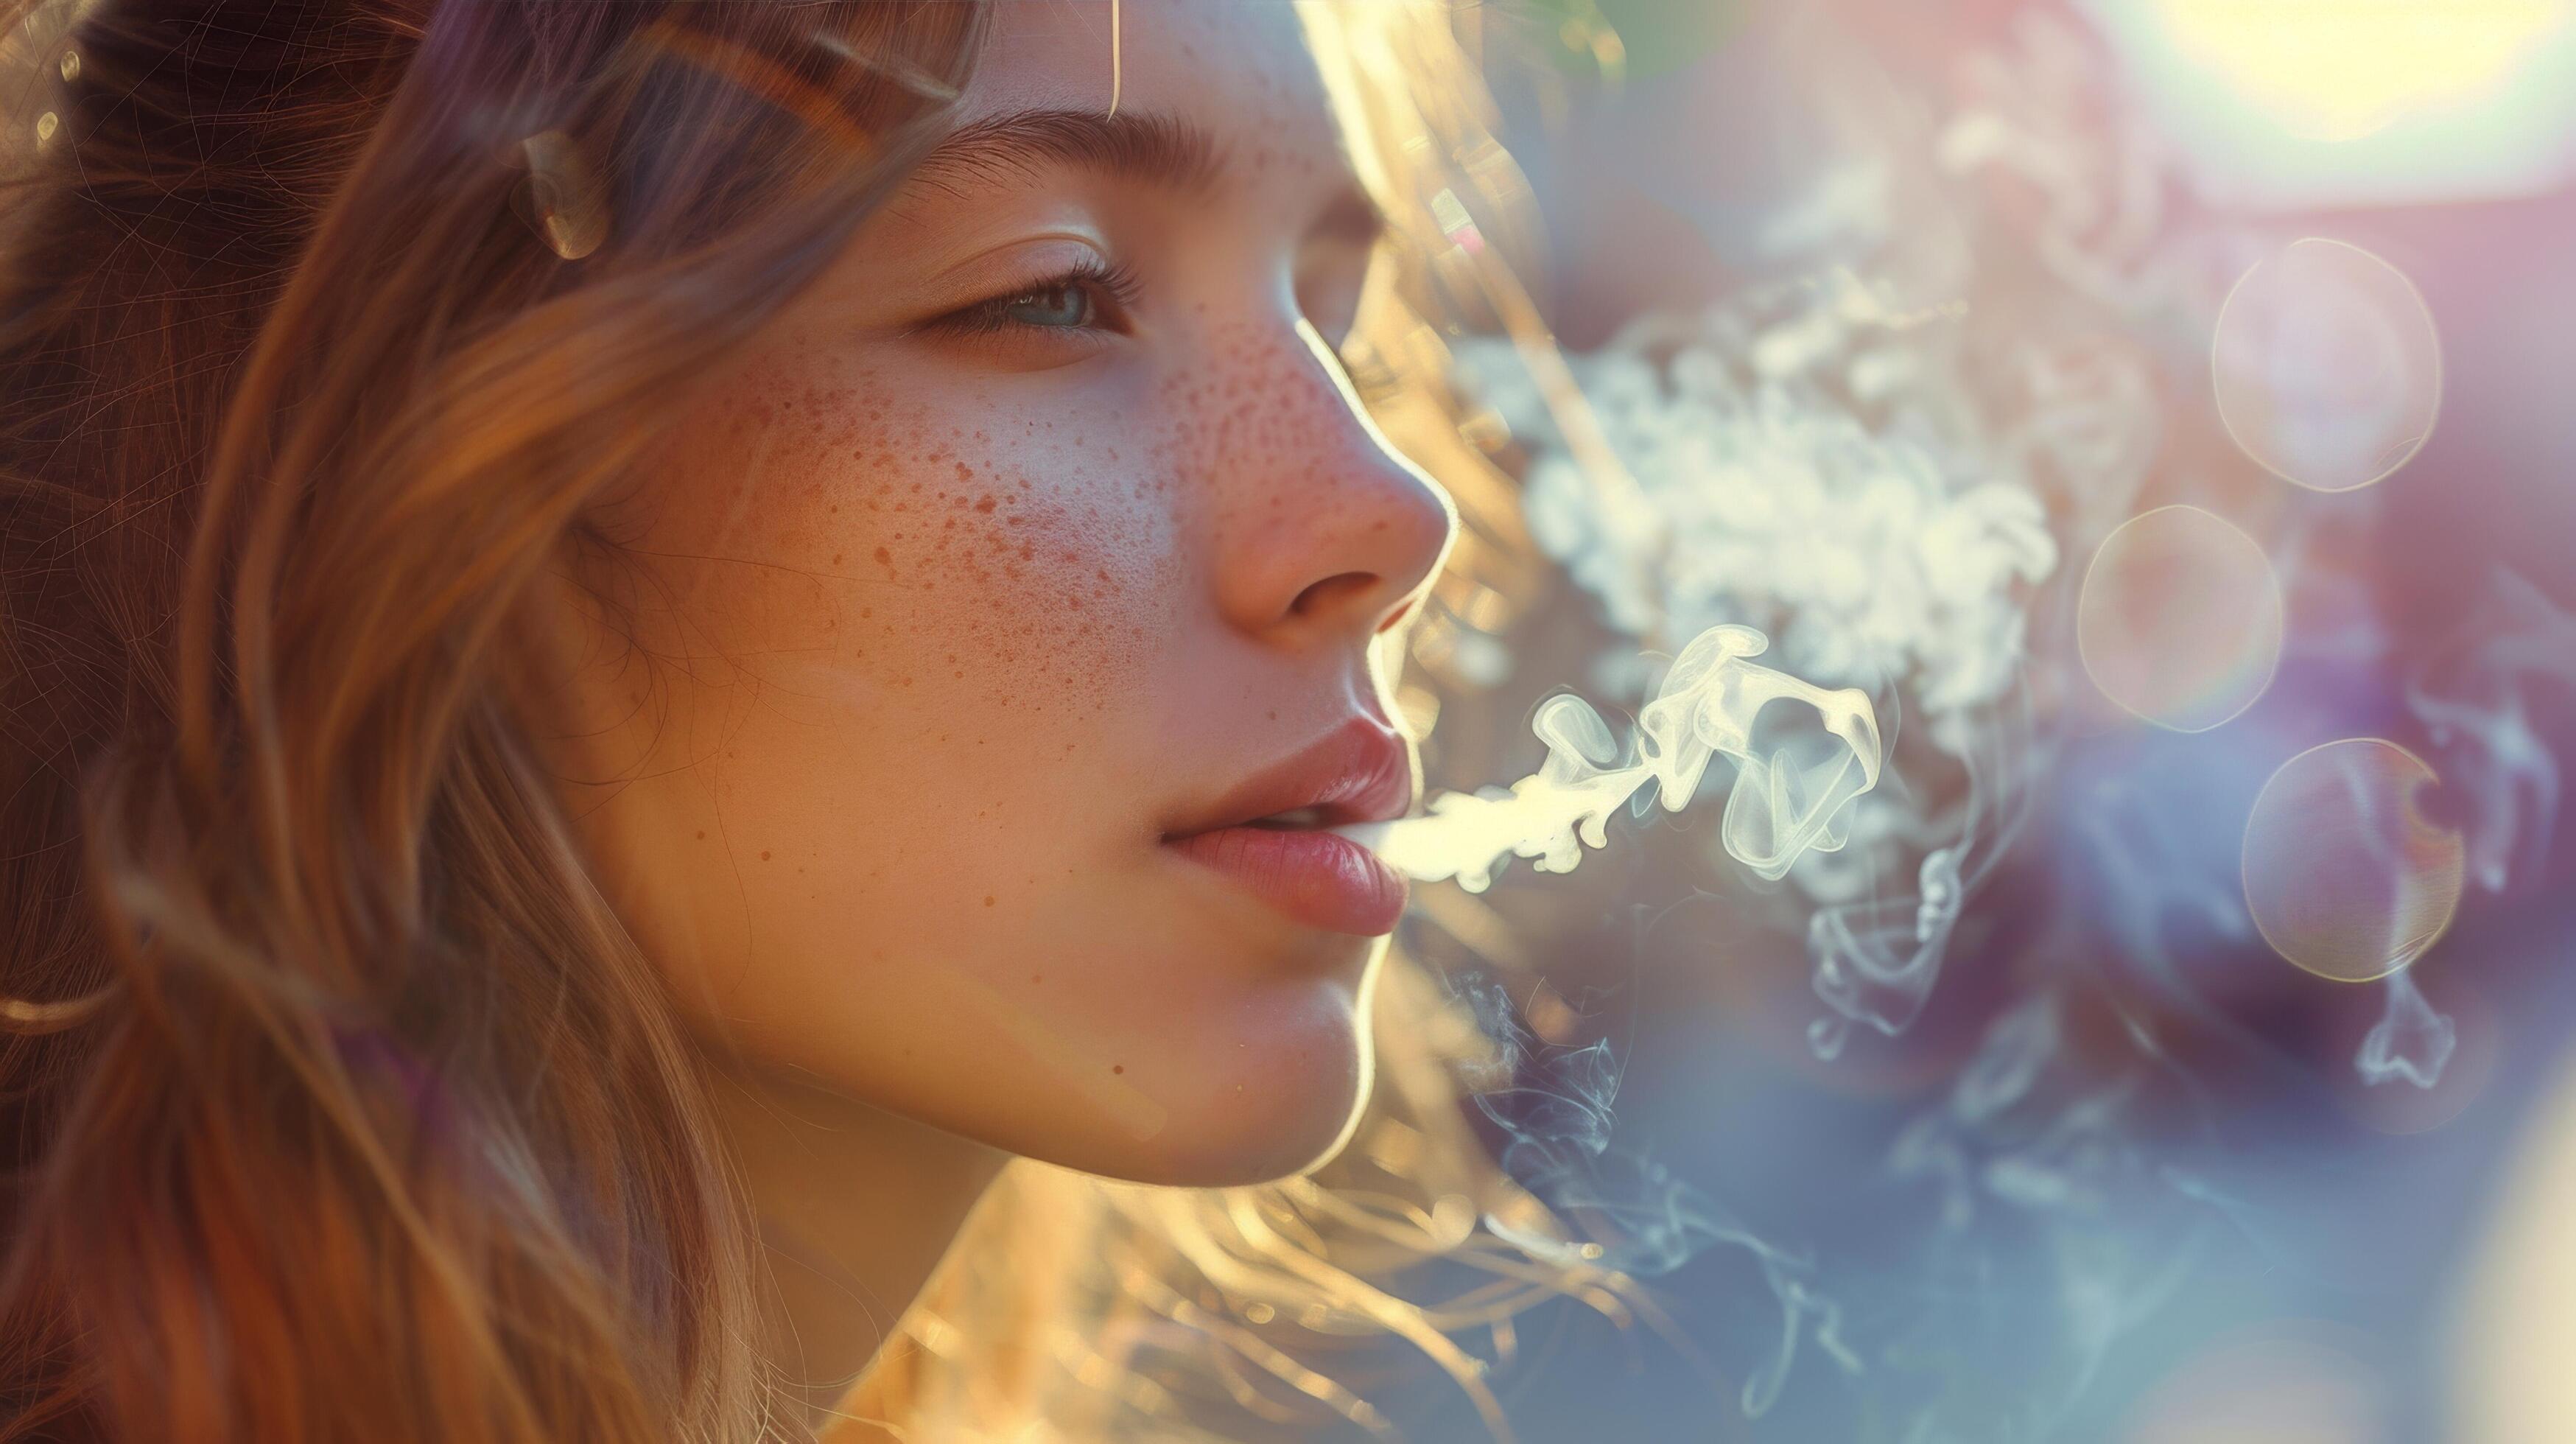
(2326, 365)
(2180, 618)
(2344, 873)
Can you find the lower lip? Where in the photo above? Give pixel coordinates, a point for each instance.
(1316, 878)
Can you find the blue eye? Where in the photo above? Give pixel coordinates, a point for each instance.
(1060, 304)
(1089, 297)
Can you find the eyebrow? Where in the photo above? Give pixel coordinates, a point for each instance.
(1145, 146)
(1160, 150)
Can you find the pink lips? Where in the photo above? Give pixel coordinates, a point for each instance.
(1359, 772)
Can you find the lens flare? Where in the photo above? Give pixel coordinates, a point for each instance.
(563, 197)
(2344, 874)
(2180, 619)
(1788, 799)
(2327, 369)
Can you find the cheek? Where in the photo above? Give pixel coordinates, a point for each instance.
(939, 550)
(960, 615)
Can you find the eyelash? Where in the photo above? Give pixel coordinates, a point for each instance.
(983, 318)
(1374, 381)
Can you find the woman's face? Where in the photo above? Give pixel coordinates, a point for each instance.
(1039, 541)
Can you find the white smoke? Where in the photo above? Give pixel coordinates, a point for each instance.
(1787, 799)
(2411, 1042)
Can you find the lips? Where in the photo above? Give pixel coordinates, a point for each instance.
(1266, 834)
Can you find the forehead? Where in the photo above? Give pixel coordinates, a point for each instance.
(1240, 69)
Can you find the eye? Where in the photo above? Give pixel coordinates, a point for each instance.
(1062, 304)
(1090, 296)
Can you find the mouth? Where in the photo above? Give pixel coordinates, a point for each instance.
(1268, 835)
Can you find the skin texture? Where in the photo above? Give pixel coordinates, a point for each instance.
(939, 632)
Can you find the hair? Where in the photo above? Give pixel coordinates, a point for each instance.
(337, 1101)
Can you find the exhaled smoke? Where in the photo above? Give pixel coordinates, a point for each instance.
(1556, 1118)
(1886, 463)
(1798, 775)
(2475, 699)
(2411, 1042)
(1875, 962)
(1788, 799)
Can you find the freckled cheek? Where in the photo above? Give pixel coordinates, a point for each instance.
(1053, 605)
(1035, 579)
(950, 550)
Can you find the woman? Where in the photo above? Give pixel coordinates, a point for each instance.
(650, 649)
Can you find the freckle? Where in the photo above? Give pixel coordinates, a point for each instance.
(985, 505)
(764, 856)
(702, 835)
(866, 612)
(836, 559)
(884, 557)
(1119, 1068)
(1037, 977)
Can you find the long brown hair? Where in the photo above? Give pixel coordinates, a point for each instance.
(338, 1104)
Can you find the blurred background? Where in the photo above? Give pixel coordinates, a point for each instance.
(2155, 406)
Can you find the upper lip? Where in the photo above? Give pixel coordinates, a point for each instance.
(1358, 772)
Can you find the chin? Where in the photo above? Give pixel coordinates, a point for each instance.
(1262, 1104)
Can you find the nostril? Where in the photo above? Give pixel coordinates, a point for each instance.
(1333, 594)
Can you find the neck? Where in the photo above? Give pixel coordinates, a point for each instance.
(855, 1206)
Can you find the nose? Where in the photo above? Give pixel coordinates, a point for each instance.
(1326, 532)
